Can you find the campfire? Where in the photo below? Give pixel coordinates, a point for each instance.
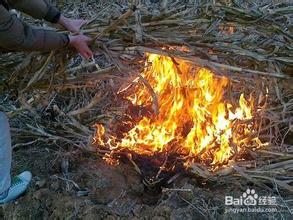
(176, 108)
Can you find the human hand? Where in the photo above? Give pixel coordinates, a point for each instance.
(80, 43)
(72, 25)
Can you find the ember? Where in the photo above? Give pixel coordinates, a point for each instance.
(191, 116)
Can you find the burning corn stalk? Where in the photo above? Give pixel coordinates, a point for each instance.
(193, 120)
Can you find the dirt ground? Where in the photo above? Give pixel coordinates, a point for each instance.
(89, 189)
(81, 186)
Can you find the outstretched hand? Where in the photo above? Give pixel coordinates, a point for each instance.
(80, 43)
(72, 25)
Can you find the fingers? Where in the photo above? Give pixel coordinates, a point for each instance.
(87, 39)
(85, 22)
(87, 53)
(74, 25)
(80, 42)
(80, 23)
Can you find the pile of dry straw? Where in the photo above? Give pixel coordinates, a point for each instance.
(54, 99)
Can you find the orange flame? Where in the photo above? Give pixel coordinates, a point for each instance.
(194, 120)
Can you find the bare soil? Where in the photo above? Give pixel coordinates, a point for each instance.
(81, 186)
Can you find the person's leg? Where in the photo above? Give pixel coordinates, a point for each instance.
(9, 189)
(5, 154)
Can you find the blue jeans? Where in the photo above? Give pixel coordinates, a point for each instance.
(5, 153)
